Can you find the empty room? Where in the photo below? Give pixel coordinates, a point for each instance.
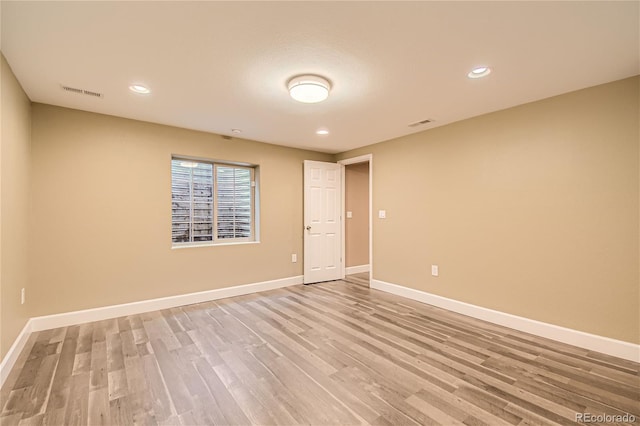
(319, 213)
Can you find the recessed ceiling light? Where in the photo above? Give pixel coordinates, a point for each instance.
(478, 72)
(322, 132)
(309, 89)
(140, 89)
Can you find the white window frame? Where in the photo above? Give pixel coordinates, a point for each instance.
(254, 170)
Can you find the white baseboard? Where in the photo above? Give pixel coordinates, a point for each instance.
(606, 345)
(593, 342)
(14, 352)
(114, 311)
(356, 269)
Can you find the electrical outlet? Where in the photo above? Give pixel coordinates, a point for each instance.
(349, 215)
(434, 270)
(22, 296)
(294, 258)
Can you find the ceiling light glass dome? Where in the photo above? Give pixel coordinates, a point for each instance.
(309, 89)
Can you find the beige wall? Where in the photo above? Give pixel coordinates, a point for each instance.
(102, 212)
(15, 119)
(531, 210)
(357, 202)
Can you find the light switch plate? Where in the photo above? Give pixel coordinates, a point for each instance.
(382, 214)
(349, 215)
(434, 270)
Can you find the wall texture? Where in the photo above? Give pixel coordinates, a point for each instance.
(357, 202)
(531, 211)
(102, 212)
(15, 146)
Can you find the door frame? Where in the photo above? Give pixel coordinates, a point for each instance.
(343, 163)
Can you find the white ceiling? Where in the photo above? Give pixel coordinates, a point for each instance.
(214, 66)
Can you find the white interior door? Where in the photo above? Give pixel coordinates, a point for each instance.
(322, 222)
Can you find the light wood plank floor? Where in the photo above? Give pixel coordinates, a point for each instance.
(331, 353)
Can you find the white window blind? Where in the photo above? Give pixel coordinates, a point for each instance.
(234, 206)
(211, 202)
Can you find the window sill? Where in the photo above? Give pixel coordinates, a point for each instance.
(237, 243)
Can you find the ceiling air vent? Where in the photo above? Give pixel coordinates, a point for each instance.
(82, 92)
(421, 122)
(90, 93)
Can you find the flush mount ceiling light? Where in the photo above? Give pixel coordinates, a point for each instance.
(479, 72)
(140, 89)
(309, 89)
(322, 132)
(236, 131)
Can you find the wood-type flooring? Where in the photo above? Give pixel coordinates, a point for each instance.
(335, 353)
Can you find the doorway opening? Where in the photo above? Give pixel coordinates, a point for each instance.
(357, 178)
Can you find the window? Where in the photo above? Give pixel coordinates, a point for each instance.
(211, 202)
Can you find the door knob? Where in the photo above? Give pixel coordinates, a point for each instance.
(308, 228)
